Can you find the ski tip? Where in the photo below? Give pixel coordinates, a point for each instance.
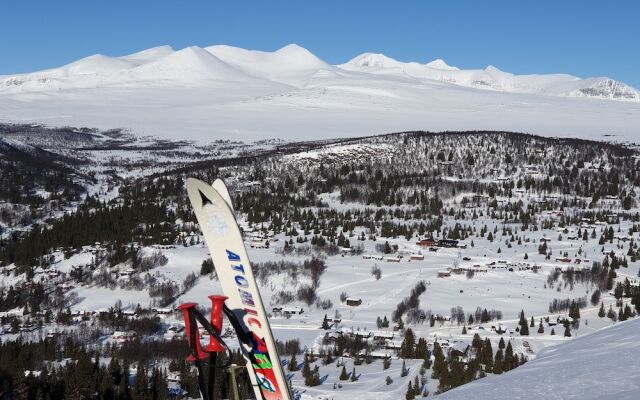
(222, 189)
(197, 189)
(219, 182)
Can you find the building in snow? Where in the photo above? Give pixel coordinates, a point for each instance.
(353, 301)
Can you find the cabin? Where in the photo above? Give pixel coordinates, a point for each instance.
(52, 334)
(393, 259)
(426, 243)
(444, 274)
(441, 318)
(448, 243)
(162, 311)
(173, 377)
(380, 335)
(393, 345)
(500, 330)
(260, 245)
(353, 301)
(416, 257)
(129, 313)
(28, 328)
(459, 350)
(127, 273)
(563, 320)
(361, 334)
(176, 329)
(286, 311)
(123, 336)
(381, 354)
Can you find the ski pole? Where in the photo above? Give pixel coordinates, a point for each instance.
(214, 347)
(189, 312)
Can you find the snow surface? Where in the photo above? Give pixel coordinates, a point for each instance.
(601, 365)
(226, 92)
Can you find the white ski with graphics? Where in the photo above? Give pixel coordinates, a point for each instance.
(221, 233)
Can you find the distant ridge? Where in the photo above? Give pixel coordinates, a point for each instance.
(225, 92)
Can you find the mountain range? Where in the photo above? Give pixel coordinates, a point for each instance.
(224, 92)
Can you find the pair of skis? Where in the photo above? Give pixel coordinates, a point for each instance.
(214, 212)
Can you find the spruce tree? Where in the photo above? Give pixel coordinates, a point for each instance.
(404, 371)
(343, 374)
(306, 368)
(567, 330)
(410, 394)
(354, 377)
(440, 368)
(509, 362)
(541, 327)
(497, 364)
(407, 349)
(325, 323)
(293, 363)
(524, 327)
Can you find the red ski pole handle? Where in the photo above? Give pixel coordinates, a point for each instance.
(217, 305)
(193, 335)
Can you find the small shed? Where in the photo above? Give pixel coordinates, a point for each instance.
(353, 301)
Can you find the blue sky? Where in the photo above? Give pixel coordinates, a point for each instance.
(584, 38)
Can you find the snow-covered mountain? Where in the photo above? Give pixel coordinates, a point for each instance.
(601, 365)
(492, 78)
(223, 92)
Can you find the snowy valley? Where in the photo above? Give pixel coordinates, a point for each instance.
(392, 266)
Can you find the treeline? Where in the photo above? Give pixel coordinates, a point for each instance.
(24, 172)
(458, 369)
(141, 222)
(53, 369)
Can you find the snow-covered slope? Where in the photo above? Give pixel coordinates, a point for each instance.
(291, 64)
(228, 92)
(601, 365)
(492, 78)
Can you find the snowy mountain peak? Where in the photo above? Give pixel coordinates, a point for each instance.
(606, 88)
(373, 60)
(300, 56)
(149, 55)
(188, 64)
(439, 63)
(96, 64)
(494, 69)
(293, 48)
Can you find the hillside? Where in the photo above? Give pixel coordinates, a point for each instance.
(463, 254)
(601, 365)
(223, 92)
